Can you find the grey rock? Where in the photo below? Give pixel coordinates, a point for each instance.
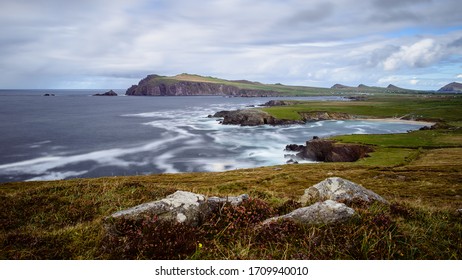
(234, 200)
(182, 207)
(327, 212)
(340, 190)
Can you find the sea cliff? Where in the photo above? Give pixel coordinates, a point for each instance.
(190, 85)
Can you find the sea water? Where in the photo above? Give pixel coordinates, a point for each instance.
(74, 134)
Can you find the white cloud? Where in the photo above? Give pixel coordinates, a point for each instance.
(459, 76)
(419, 54)
(414, 82)
(293, 41)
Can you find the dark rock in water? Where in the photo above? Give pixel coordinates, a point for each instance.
(292, 161)
(294, 148)
(48, 94)
(251, 117)
(329, 151)
(220, 114)
(108, 93)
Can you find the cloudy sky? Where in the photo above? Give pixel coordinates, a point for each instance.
(114, 43)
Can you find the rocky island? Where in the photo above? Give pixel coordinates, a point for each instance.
(108, 93)
(254, 117)
(251, 117)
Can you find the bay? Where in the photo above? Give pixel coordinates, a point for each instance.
(74, 134)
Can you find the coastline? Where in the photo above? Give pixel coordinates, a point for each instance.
(397, 120)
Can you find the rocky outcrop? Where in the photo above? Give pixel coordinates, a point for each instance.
(108, 93)
(329, 151)
(327, 202)
(323, 116)
(182, 207)
(273, 103)
(327, 212)
(340, 190)
(451, 88)
(328, 199)
(154, 85)
(251, 117)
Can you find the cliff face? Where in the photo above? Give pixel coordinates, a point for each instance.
(329, 151)
(250, 117)
(154, 85)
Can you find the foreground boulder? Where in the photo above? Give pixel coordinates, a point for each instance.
(340, 190)
(327, 212)
(182, 207)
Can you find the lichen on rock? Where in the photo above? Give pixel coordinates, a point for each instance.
(340, 190)
(327, 212)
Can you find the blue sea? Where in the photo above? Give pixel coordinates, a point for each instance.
(74, 134)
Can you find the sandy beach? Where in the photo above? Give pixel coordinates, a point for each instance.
(398, 120)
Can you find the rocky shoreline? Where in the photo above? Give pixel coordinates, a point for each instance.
(327, 151)
(250, 117)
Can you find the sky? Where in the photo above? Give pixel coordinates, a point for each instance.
(104, 44)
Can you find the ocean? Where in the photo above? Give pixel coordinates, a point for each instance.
(74, 135)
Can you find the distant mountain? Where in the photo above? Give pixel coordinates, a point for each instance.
(451, 88)
(339, 86)
(393, 87)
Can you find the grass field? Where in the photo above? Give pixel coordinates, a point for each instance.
(420, 173)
